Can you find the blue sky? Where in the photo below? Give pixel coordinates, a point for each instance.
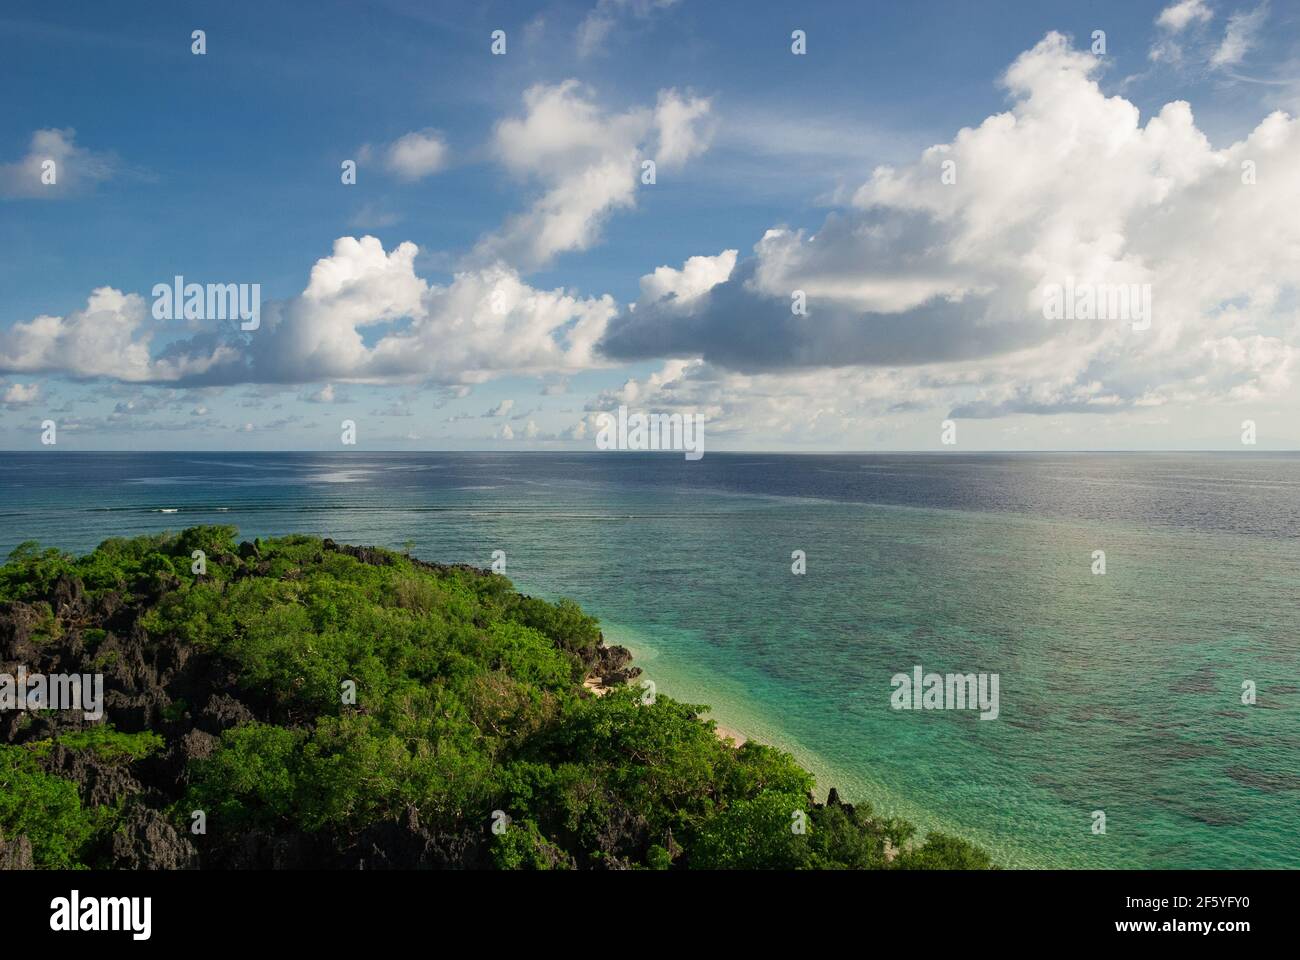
(225, 168)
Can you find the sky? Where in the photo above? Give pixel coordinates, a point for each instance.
(856, 222)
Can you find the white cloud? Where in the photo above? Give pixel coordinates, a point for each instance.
(944, 282)
(324, 395)
(75, 168)
(484, 323)
(1176, 17)
(698, 275)
(531, 432)
(597, 25)
(922, 295)
(1239, 36)
(110, 338)
(587, 162)
(416, 155)
(18, 394)
(1173, 22)
(683, 131)
(364, 316)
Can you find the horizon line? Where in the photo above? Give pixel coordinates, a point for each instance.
(677, 453)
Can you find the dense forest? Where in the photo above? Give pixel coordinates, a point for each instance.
(299, 703)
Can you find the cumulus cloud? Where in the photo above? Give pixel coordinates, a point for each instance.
(1177, 16)
(75, 169)
(822, 407)
(698, 276)
(111, 337)
(20, 394)
(325, 394)
(682, 124)
(947, 280)
(531, 432)
(366, 316)
(587, 162)
(921, 293)
(416, 155)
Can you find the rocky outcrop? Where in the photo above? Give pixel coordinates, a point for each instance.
(369, 555)
(100, 782)
(16, 854)
(221, 712)
(406, 844)
(145, 840)
(613, 665)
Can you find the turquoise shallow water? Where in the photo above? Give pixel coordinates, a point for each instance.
(1118, 693)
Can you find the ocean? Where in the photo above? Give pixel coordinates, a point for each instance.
(1120, 693)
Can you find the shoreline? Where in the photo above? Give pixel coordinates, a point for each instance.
(744, 723)
(724, 733)
(727, 734)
